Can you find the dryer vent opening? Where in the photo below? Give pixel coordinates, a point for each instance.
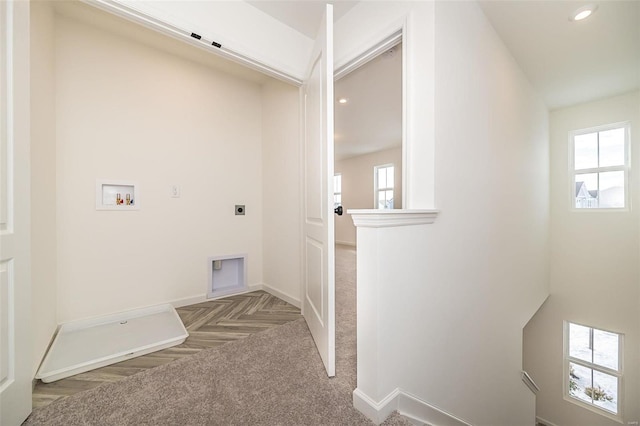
(227, 275)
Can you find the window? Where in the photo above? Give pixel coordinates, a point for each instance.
(337, 190)
(600, 167)
(593, 368)
(383, 184)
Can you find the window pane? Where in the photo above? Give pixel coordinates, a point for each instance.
(611, 193)
(605, 349)
(604, 391)
(612, 148)
(382, 177)
(389, 199)
(390, 176)
(579, 381)
(586, 191)
(381, 199)
(579, 342)
(586, 151)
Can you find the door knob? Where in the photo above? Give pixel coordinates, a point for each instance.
(338, 210)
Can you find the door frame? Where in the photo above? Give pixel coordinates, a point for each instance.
(380, 43)
(384, 40)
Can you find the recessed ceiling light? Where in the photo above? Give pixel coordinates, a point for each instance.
(583, 13)
(343, 100)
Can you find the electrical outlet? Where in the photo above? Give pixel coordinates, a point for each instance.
(175, 191)
(240, 209)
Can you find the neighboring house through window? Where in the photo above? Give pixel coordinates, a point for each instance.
(593, 369)
(600, 167)
(383, 186)
(337, 190)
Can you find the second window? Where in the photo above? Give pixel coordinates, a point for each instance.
(599, 167)
(383, 186)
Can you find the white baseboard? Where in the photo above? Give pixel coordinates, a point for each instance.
(413, 407)
(406, 404)
(544, 422)
(186, 301)
(255, 287)
(345, 243)
(192, 300)
(281, 295)
(377, 412)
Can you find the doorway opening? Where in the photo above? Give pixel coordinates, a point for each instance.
(369, 139)
(368, 170)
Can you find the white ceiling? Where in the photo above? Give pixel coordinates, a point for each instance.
(567, 62)
(302, 15)
(571, 62)
(372, 118)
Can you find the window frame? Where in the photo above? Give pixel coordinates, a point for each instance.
(567, 359)
(376, 190)
(335, 175)
(626, 125)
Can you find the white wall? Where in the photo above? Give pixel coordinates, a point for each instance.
(358, 187)
(455, 295)
(281, 190)
(129, 112)
(595, 272)
(43, 178)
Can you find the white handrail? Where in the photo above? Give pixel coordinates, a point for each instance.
(526, 378)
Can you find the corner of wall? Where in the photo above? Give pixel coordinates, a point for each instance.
(281, 191)
(43, 179)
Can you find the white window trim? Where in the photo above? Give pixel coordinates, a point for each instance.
(334, 188)
(620, 373)
(375, 184)
(572, 172)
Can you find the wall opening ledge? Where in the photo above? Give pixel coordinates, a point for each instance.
(377, 218)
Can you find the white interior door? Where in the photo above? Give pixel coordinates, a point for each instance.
(15, 292)
(318, 306)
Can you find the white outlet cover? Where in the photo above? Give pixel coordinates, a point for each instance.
(175, 191)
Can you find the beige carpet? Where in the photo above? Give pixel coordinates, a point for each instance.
(274, 377)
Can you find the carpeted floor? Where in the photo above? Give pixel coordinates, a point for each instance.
(274, 377)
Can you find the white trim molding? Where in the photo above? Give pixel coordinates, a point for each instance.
(280, 295)
(544, 422)
(377, 218)
(407, 405)
(377, 412)
(370, 54)
(165, 26)
(200, 298)
(186, 301)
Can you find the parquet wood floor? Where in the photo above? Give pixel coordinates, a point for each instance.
(209, 324)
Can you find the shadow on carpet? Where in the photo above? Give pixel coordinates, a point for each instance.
(274, 377)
